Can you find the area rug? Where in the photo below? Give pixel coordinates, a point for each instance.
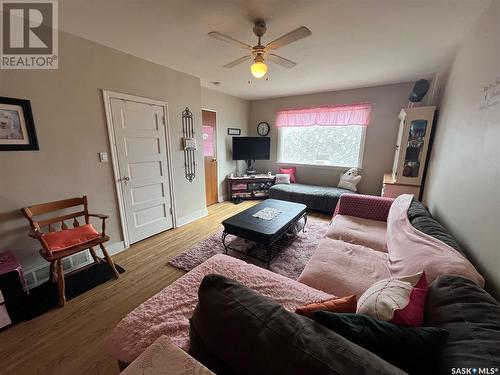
(289, 262)
(45, 297)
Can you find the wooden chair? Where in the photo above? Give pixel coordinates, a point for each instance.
(55, 256)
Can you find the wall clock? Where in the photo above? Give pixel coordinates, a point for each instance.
(263, 128)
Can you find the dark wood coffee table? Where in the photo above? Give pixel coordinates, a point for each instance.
(265, 233)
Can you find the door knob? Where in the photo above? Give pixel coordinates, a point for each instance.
(126, 179)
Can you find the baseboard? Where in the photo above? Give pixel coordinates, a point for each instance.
(116, 248)
(191, 217)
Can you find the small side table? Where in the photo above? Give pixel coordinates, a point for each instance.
(13, 289)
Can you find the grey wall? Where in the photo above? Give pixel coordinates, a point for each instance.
(232, 112)
(380, 135)
(463, 183)
(70, 122)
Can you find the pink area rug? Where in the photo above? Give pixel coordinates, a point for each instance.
(289, 262)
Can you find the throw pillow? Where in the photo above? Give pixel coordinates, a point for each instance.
(413, 349)
(396, 300)
(341, 305)
(251, 334)
(291, 171)
(349, 179)
(282, 178)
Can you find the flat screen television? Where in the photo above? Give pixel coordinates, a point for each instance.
(251, 148)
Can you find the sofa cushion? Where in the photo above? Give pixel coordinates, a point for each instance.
(360, 231)
(413, 349)
(342, 269)
(321, 198)
(471, 316)
(252, 334)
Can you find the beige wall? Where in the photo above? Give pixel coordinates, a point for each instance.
(71, 127)
(380, 135)
(463, 183)
(232, 112)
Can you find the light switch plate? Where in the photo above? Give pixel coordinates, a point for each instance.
(103, 157)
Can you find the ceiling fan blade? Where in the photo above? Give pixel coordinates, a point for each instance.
(281, 61)
(291, 37)
(228, 39)
(237, 61)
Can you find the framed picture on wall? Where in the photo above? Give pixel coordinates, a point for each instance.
(233, 131)
(17, 128)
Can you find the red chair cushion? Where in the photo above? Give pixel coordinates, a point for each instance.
(65, 239)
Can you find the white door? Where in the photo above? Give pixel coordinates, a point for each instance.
(141, 149)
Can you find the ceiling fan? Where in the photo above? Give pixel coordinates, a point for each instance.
(259, 53)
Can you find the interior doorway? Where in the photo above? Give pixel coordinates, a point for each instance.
(209, 129)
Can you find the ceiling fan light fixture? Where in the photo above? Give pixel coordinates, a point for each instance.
(259, 67)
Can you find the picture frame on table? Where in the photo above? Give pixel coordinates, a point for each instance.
(17, 127)
(233, 131)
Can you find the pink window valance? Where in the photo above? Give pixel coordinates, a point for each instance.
(335, 115)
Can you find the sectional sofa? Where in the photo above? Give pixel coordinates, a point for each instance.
(355, 252)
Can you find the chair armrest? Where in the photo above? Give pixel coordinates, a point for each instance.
(35, 234)
(365, 206)
(103, 218)
(100, 216)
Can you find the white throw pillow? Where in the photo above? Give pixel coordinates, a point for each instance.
(399, 300)
(282, 178)
(349, 179)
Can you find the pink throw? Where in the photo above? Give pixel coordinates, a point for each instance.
(411, 251)
(168, 312)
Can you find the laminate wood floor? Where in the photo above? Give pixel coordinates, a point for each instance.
(73, 340)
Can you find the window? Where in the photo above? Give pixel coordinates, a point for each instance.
(329, 136)
(339, 146)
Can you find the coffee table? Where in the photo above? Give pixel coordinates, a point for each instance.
(265, 233)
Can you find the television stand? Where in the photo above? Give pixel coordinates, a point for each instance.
(249, 187)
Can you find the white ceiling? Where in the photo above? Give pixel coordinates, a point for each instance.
(353, 44)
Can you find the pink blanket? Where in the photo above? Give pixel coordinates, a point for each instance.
(411, 251)
(168, 312)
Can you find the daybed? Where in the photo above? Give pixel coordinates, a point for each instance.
(320, 198)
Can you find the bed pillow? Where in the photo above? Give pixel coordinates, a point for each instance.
(340, 305)
(413, 349)
(397, 300)
(291, 171)
(282, 178)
